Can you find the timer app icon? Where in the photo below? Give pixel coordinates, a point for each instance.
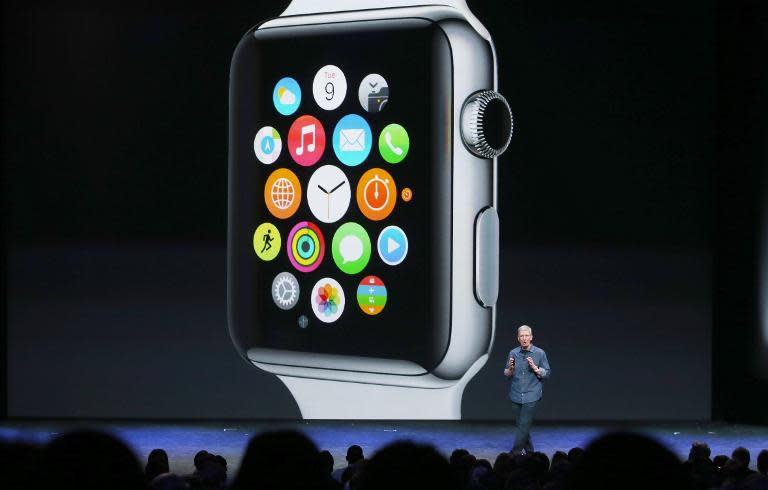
(376, 194)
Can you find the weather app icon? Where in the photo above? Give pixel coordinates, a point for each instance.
(352, 140)
(392, 245)
(286, 96)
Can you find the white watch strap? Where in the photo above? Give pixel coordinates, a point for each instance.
(329, 399)
(301, 7)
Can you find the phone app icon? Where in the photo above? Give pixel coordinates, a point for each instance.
(329, 193)
(285, 290)
(392, 245)
(351, 248)
(373, 93)
(267, 145)
(376, 194)
(266, 241)
(306, 140)
(394, 143)
(282, 193)
(328, 300)
(306, 246)
(329, 87)
(371, 295)
(286, 96)
(352, 140)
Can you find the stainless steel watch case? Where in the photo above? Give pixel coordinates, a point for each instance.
(475, 235)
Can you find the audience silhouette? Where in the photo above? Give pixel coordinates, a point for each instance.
(289, 460)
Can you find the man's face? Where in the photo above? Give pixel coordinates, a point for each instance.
(525, 339)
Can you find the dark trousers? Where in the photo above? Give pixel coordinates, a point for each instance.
(523, 413)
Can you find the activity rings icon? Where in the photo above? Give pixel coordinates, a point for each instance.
(305, 246)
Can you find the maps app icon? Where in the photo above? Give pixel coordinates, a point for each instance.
(371, 295)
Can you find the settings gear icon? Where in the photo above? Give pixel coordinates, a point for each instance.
(285, 290)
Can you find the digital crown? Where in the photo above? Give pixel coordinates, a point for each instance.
(486, 124)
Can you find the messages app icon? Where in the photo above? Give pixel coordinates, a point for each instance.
(351, 248)
(352, 140)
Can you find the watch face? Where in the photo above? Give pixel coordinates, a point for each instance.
(343, 246)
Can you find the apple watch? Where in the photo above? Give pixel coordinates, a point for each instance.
(363, 237)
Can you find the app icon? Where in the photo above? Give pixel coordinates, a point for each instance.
(352, 140)
(373, 93)
(329, 87)
(286, 96)
(282, 193)
(328, 193)
(306, 246)
(328, 300)
(371, 295)
(394, 143)
(285, 290)
(351, 248)
(407, 194)
(266, 241)
(306, 140)
(392, 245)
(376, 194)
(267, 145)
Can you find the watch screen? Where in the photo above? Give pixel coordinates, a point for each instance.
(340, 185)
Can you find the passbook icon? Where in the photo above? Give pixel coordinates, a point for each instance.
(352, 140)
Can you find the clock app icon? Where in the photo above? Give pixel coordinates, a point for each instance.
(328, 193)
(376, 194)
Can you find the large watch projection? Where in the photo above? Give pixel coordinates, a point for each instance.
(340, 191)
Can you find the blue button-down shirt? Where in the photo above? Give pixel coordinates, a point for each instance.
(526, 386)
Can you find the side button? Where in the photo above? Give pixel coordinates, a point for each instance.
(487, 257)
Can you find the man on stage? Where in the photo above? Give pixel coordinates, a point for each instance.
(527, 366)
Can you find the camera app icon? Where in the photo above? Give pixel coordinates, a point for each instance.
(373, 93)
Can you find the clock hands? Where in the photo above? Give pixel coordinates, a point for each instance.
(340, 184)
(321, 188)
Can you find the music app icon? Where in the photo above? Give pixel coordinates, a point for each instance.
(306, 140)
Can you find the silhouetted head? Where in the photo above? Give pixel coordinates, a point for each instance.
(628, 461)
(762, 462)
(720, 460)
(157, 464)
(354, 454)
(89, 460)
(325, 461)
(201, 457)
(19, 462)
(558, 457)
(457, 454)
(699, 452)
(407, 466)
(575, 454)
(280, 459)
(741, 455)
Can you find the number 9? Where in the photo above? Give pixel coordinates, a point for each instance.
(329, 90)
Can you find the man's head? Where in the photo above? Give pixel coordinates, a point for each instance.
(525, 336)
(354, 454)
(762, 462)
(699, 452)
(741, 455)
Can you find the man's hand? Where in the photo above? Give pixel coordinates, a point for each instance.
(511, 363)
(533, 365)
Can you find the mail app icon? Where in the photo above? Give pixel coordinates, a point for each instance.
(352, 139)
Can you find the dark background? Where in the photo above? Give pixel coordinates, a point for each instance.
(630, 202)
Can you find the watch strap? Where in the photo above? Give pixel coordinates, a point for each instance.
(302, 7)
(330, 399)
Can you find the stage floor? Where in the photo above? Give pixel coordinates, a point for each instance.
(485, 440)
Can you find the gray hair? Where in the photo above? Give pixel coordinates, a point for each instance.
(525, 328)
